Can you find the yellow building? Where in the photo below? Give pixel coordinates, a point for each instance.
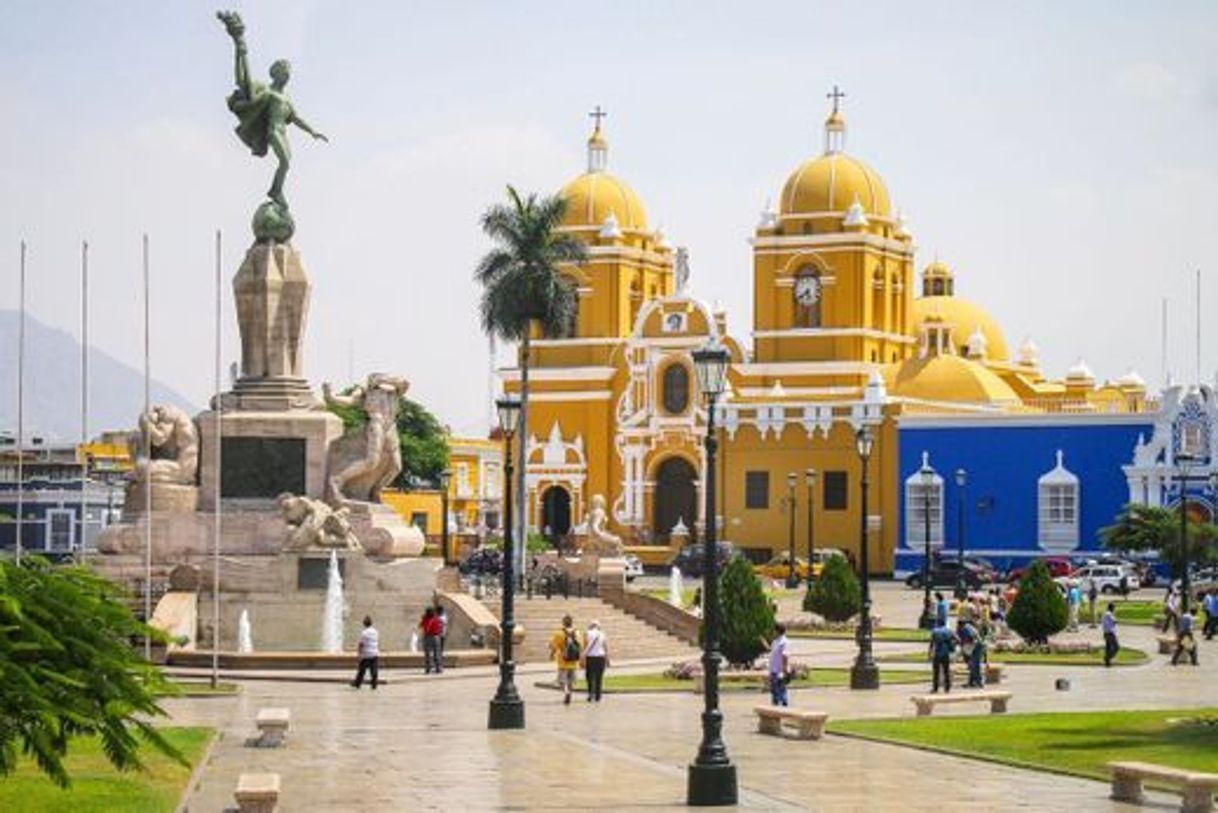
(475, 487)
(838, 342)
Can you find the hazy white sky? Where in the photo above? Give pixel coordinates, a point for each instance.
(1060, 156)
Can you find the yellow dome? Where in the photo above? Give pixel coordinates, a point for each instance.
(594, 195)
(964, 318)
(947, 378)
(830, 183)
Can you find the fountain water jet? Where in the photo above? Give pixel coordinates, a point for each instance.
(245, 632)
(676, 588)
(332, 615)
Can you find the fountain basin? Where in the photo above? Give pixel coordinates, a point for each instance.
(201, 659)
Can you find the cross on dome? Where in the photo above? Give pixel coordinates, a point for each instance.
(598, 147)
(835, 125)
(599, 113)
(837, 94)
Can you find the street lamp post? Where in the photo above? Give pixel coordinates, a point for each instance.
(445, 479)
(864, 674)
(507, 707)
(926, 476)
(961, 482)
(1184, 462)
(711, 776)
(810, 479)
(792, 572)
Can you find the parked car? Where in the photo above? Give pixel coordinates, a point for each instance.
(1204, 579)
(1107, 578)
(946, 572)
(482, 562)
(1058, 566)
(978, 562)
(780, 568)
(634, 567)
(690, 558)
(821, 557)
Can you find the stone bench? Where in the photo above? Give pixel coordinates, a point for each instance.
(1167, 644)
(927, 702)
(809, 725)
(752, 676)
(272, 726)
(257, 792)
(993, 672)
(1198, 788)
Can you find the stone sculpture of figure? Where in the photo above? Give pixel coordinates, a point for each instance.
(600, 541)
(365, 460)
(312, 525)
(171, 436)
(264, 114)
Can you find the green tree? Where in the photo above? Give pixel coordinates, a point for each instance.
(421, 436)
(1039, 610)
(523, 285)
(746, 613)
(67, 668)
(1145, 528)
(836, 595)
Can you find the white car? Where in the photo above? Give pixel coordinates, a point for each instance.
(634, 567)
(1107, 578)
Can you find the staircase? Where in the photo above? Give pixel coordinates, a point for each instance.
(628, 637)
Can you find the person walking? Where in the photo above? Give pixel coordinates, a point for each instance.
(1093, 597)
(1074, 600)
(430, 627)
(780, 666)
(565, 649)
(368, 651)
(942, 645)
(442, 618)
(1171, 608)
(1109, 625)
(1186, 644)
(941, 610)
(1211, 614)
(596, 660)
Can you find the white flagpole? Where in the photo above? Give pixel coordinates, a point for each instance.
(84, 397)
(1198, 327)
(147, 462)
(21, 404)
(218, 409)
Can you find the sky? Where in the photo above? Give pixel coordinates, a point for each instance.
(1060, 157)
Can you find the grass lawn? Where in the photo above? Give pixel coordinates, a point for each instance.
(821, 678)
(98, 788)
(1078, 743)
(913, 636)
(1140, 613)
(1125, 657)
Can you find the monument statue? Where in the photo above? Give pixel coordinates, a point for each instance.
(600, 541)
(313, 525)
(170, 435)
(264, 114)
(366, 459)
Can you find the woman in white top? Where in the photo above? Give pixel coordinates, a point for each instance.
(596, 658)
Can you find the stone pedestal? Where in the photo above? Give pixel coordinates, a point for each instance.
(382, 532)
(264, 454)
(168, 498)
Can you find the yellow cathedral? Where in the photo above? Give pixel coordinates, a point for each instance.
(841, 338)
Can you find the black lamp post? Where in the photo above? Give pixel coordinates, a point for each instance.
(926, 476)
(810, 479)
(864, 674)
(1183, 462)
(445, 478)
(792, 572)
(712, 776)
(961, 482)
(507, 708)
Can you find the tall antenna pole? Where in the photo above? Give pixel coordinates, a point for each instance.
(215, 559)
(1198, 327)
(84, 395)
(147, 460)
(21, 404)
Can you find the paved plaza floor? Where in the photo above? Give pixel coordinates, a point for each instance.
(420, 743)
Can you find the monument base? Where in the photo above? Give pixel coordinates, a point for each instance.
(167, 498)
(382, 532)
(269, 394)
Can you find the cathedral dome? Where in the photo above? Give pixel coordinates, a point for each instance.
(596, 195)
(831, 183)
(947, 378)
(965, 319)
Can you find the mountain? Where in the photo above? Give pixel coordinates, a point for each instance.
(52, 384)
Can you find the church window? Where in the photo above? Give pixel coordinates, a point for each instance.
(923, 499)
(757, 489)
(1058, 493)
(676, 389)
(808, 294)
(836, 490)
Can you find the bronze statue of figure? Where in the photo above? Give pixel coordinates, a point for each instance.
(264, 114)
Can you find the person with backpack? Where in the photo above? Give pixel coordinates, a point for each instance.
(942, 645)
(596, 660)
(566, 649)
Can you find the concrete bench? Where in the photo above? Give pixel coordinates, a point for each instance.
(751, 676)
(809, 725)
(993, 673)
(1167, 644)
(257, 792)
(927, 702)
(1198, 788)
(272, 726)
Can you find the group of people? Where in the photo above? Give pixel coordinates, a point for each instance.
(1184, 622)
(433, 628)
(571, 650)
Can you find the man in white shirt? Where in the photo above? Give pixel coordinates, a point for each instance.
(596, 658)
(369, 652)
(779, 666)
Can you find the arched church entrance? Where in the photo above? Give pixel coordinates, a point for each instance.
(675, 498)
(555, 513)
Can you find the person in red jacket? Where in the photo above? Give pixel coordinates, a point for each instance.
(432, 628)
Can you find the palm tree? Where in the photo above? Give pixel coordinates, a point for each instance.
(522, 286)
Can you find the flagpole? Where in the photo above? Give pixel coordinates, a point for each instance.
(219, 414)
(21, 404)
(84, 397)
(147, 461)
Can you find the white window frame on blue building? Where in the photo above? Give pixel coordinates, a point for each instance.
(1058, 496)
(915, 509)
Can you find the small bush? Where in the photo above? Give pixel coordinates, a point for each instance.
(1040, 608)
(836, 596)
(746, 615)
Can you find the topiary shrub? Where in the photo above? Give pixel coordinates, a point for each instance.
(1040, 608)
(836, 595)
(746, 615)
